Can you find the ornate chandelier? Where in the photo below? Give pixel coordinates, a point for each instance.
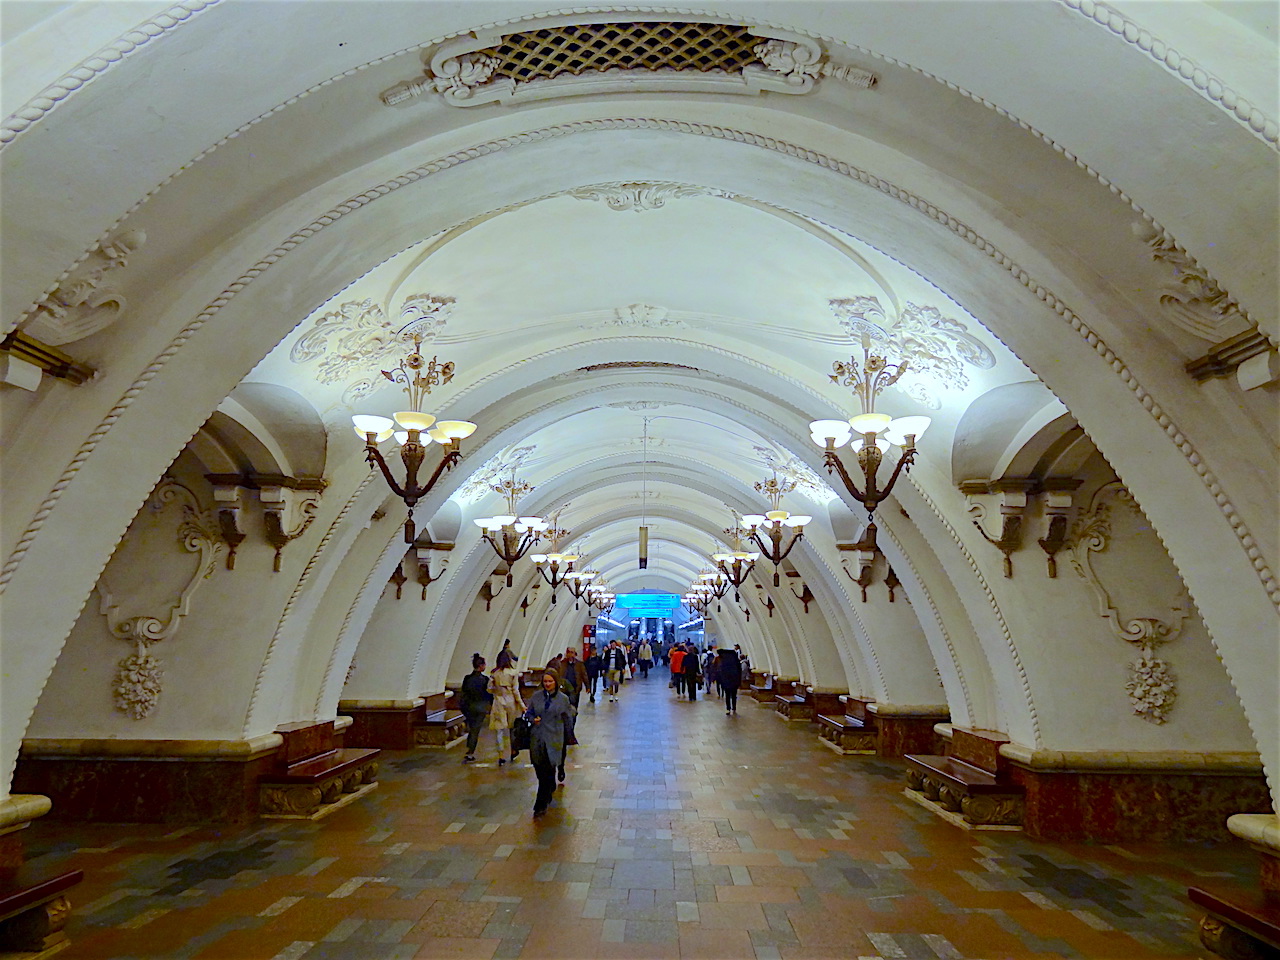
(511, 536)
(716, 583)
(877, 433)
(416, 376)
(773, 522)
(598, 595)
(578, 583)
(736, 564)
(554, 567)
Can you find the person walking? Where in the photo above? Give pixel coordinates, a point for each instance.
(711, 670)
(507, 704)
(645, 654)
(730, 674)
(474, 700)
(615, 664)
(574, 674)
(506, 648)
(595, 668)
(691, 665)
(677, 669)
(548, 711)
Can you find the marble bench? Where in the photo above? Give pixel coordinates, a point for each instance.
(970, 786)
(794, 706)
(847, 735)
(1239, 923)
(442, 725)
(318, 785)
(33, 911)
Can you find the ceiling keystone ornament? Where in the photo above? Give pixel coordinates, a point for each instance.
(636, 406)
(86, 301)
(357, 338)
(166, 589)
(1115, 529)
(640, 195)
(936, 346)
(558, 57)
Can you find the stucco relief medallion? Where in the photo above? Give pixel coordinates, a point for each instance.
(358, 337)
(502, 464)
(141, 577)
(937, 346)
(1116, 552)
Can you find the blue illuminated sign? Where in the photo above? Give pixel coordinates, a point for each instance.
(649, 604)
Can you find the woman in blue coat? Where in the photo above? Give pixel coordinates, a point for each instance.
(549, 711)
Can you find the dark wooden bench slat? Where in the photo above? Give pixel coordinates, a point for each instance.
(318, 768)
(969, 778)
(1251, 911)
(27, 889)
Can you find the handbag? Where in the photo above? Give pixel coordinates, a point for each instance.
(521, 734)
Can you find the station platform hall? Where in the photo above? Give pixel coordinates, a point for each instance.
(680, 833)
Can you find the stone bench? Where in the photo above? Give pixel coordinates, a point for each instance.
(847, 735)
(970, 786)
(1240, 923)
(794, 706)
(442, 725)
(318, 785)
(33, 911)
(762, 691)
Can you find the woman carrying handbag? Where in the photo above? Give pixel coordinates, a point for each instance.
(507, 706)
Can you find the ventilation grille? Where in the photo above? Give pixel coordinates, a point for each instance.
(579, 48)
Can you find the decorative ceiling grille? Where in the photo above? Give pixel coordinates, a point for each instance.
(578, 48)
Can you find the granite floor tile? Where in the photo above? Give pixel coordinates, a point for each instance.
(679, 834)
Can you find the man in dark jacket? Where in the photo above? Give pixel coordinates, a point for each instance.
(573, 672)
(730, 675)
(594, 667)
(692, 668)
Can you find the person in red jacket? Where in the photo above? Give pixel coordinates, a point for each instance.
(677, 668)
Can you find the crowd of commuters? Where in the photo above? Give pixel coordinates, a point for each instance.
(549, 714)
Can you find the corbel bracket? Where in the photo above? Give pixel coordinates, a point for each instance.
(423, 552)
(1013, 493)
(399, 578)
(805, 596)
(1058, 492)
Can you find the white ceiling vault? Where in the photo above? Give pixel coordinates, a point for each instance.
(643, 278)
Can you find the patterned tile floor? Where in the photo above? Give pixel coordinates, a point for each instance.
(681, 833)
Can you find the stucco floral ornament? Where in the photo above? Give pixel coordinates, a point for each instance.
(1115, 525)
(154, 580)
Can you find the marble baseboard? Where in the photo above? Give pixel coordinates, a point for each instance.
(148, 789)
(1136, 805)
(897, 736)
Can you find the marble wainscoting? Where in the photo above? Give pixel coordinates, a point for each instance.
(1118, 797)
(148, 781)
(385, 724)
(903, 728)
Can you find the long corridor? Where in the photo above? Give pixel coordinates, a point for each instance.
(681, 833)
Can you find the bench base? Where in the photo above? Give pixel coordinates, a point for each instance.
(847, 740)
(858, 749)
(319, 812)
(46, 952)
(429, 740)
(954, 818)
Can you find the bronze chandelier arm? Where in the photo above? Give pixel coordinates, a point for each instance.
(873, 500)
(834, 462)
(372, 456)
(446, 463)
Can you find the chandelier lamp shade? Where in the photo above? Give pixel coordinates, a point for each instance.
(599, 596)
(775, 524)
(510, 535)
(872, 434)
(416, 376)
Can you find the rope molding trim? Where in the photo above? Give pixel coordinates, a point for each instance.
(1210, 480)
(1170, 59)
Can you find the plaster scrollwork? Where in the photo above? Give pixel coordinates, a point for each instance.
(137, 682)
(357, 337)
(641, 195)
(636, 406)
(1192, 299)
(937, 346)
(1151, 685)
(86, 301)
(790, 467)
(802, 64)
(496, 467)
